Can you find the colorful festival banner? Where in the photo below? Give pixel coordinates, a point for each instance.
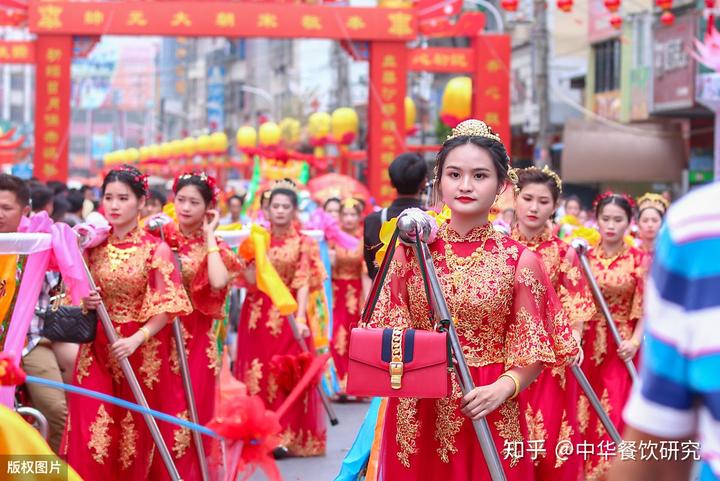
(17, 52)
(52, 107)
(440, 59)
(388, 81)
(214, 18)
(491, 83)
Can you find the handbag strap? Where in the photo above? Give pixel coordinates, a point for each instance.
(377, 284)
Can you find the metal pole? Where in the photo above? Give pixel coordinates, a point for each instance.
(540, 71)
(595, 401)
(42, 423)
(492, 459)
(134, 384)
(303, 346)
(581, 248)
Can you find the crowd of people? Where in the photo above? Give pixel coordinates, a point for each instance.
(522, 304)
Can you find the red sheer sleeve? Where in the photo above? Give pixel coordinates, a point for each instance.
(538, 330)
(575, 296)
(165, 292)
(210, 301)
(640, 273)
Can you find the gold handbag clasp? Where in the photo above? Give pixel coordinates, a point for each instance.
(396, 365)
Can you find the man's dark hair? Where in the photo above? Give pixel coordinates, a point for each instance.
(408, 173)
(76, 199)
(40, 197)
(57, 186)
(158, 195)
(17, 186)
(237, 197)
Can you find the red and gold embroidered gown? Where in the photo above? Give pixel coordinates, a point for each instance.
(505, 311)
(269, 359)
(347, 303)
(621, 280)
(198, 326)
(138, 281)
(551, 401)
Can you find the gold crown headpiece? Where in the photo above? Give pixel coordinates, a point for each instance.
(514, 175)
(474, 128)
(351, 203)
(655, 201)
(286, 184)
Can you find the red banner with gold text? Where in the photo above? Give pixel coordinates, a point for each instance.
(491, 83)
(17, 52)
(52, 107)
(386, 116)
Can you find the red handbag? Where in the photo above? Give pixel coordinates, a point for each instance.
(399, 363)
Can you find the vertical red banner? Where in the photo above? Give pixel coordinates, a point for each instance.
(386, 114)
(491, 83)
(52, 107)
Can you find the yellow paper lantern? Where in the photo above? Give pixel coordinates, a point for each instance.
(204, 143)
(289, 130)
(132, 155)
(154, 151)
(107, 158)
(319, 127)
(456, 101)
(410, 115)
(189, 146)
(165, 150)
(395, 3)
(269, 134)
(218, 143)
(144, 153)
(246, 137)
(176, 149)
(344, 125)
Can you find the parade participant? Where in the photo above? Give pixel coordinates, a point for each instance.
(619, 271)
(551, 410)
(154, 204)
(332, 206)
(234, 215)
(350, 287)
(504, 309)
(679, 383)
(269, 359)
(408, 173)
(142, 291)
(651, 210)
(207, 266)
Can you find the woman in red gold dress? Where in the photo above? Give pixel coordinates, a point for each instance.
(269, 359)
(551, 410)
(651, 210)
(142, 291)
(619, 271)
(505, 311)
(350, 286)
(207, 266)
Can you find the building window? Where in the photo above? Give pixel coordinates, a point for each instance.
(607, 66)
(17, 81)
(78, 145)
(79, 115)
(17, 114)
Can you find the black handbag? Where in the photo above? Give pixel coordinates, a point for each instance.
(68, 324)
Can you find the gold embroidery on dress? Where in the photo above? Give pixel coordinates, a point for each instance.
(525, 344)
(536, 429)
(128, 441)
(509, 426)
(583, 413)
(275, 321)
(181, 437)
(85, 359)
(255, 313)
(408, 428)
(600, 343)
(173, 359)
(566, 432)
(351, 300)
(253, 377)
(117, 257)
(212, 352)
(151, 362)
(100, 438)
(528, 278)
(447, 425)
(605, 402)
(272, 388)
(340, 341)
(560, 373)
(303, 443)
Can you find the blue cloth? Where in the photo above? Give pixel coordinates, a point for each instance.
(359, 454)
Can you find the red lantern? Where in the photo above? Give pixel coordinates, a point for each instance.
(612, 5)
(710, 3)
(616, 21)
(509, 5)
(565, 5)
(664, 4)
(667, 18)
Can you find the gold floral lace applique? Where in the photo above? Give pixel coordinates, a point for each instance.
(600, 343)
(303, 443)
(605, 403)
(255, 312)
(536, 429)
(566, 432)
(583, 413)
(447, 424)
(151, 362)
(351, 300)
(408, 428)
(128, 441)
(340, 340)
(118, 257)
(272, 388)
(253, 376)
(85, 359)
(181, 437)
(477, 234)
(275, 321)
(212, 352)
(100, 438)
(508, 427)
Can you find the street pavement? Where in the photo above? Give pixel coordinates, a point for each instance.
(340, 438)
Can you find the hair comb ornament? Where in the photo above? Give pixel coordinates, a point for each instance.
(610, 193)
(653, 200)
(136, 175)
(474, 128)
(209, 180)
(286, 183)
(545, 170)
(351, 203)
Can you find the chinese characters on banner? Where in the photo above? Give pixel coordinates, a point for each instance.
(491, 83)
(386, 117)
(442, 60)
(52, 107)
(17, 52)
(186, 18)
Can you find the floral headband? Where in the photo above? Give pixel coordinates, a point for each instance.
(209, 180)
(514, 175)
(135, 174)
(608, 194)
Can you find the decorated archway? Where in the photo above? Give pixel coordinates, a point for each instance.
(387, 32)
